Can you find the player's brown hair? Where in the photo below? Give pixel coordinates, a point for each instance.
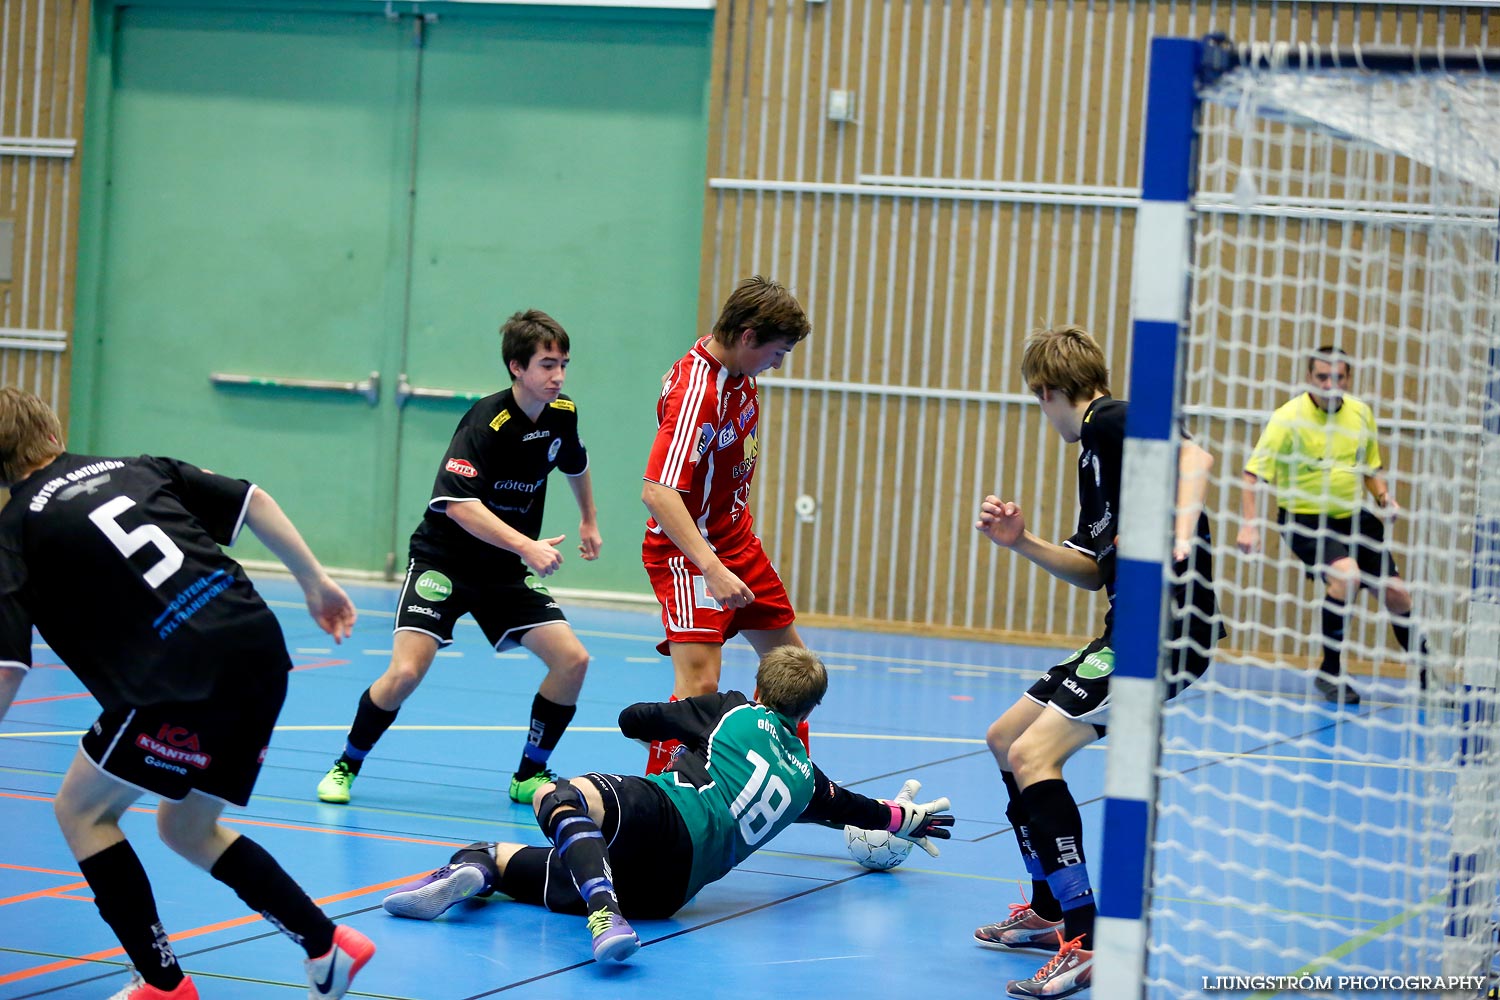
(764, 306)
(30, 434)
(524, 332)
(1067, 359)
(791, 680)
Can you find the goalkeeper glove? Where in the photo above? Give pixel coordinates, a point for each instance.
(916, 821)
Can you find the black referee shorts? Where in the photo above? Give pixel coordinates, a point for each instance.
(1320, 541)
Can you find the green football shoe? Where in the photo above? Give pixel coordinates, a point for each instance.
(524, 790)
(336, 783)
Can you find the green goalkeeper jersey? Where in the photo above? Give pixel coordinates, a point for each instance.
(743, 778)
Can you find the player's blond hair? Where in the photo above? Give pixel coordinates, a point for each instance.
(1067, 359)
(30, 434)
(791, 680)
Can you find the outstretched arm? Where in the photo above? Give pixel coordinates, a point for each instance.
(667, 507)
(326, 600)
(1193, 465)
(589, 540)
(1376, 484)
(834, 805)
(539, 554)
(1251, 488)
(1004, 523)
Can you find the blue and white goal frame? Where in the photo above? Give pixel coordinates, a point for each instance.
(1160, 299)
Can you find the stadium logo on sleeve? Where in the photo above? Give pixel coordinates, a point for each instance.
(459, 467)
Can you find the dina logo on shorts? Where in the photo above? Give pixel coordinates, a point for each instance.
(433, 586)
(1096, 665)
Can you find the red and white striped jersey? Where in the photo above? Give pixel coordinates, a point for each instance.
(705, 448)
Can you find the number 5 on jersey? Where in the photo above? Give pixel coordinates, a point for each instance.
(131, 542)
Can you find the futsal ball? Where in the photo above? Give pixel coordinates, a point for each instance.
(876, 849)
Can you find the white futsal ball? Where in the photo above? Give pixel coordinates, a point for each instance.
(876, 849)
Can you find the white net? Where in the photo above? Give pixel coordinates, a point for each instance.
(1297, 835)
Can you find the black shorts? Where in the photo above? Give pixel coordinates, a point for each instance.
(650, 855)
(434, 598)
(1078, 687)
(215, 746)
(1321, 541)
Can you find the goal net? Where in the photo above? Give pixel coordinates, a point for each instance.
(1301, 842)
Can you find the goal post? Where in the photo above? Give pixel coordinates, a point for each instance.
(1294, 197)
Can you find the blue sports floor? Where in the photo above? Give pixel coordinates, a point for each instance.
(800, 920)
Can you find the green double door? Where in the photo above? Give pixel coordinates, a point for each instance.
(314, 222)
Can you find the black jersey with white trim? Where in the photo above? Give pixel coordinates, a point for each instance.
(1100, 461)
(501, 458)
(116, 561)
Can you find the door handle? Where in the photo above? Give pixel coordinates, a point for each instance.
(369, 388)
(405, 392)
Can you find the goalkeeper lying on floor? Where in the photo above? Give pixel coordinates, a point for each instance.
(628, 846)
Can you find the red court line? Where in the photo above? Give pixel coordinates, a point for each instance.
(55, 697)
(44, 871)
(316, 664)
(239, 921)
(43, 892)
(98, 956)
(232, 821)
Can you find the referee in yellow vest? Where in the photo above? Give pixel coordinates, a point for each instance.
(1321, 452)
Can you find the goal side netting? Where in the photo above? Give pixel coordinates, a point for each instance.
(1350, 200)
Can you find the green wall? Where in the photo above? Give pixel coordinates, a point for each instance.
(318, 191)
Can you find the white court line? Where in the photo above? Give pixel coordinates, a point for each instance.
(510, 656)
(323, 652)
(980, 668)
(840, 666)
(378, 652)
(969, 673)
(645, 659)
(449, 653)
(903, 670)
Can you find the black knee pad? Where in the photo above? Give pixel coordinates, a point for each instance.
(483, 855)
(564, 796)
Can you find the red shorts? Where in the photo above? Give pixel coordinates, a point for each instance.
(688, 614)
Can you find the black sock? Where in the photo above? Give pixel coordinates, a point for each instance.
(580, 847)
(267, 889)
(1057, 835)
(1402, 628)
(1335, 619)
(370, 723)
(122, 892)
(1043, 903)
(548, 722)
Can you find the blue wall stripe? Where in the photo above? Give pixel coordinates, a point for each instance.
(1122, 885)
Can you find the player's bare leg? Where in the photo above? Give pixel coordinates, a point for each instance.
(1032, 925)
(412, 654)
(765, 640)
(1342, 581)
(1054, 824)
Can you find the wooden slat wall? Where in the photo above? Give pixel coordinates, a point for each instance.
(43, 54)
(928, 294)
